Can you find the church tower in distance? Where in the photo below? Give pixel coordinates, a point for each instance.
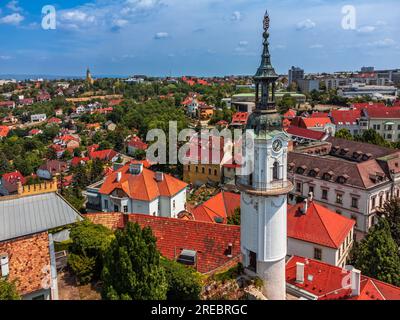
(89, 78)
(264, 188)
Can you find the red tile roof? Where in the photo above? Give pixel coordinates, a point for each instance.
(4, 131)
(290, 114)
(143, 186)
(29, 258)
(305, 133)
(318, 225)
(382, 113)
(54, 120)
(209, 240)
(319, 115)
(77, 160)
(54, 166)
(329, 282)
(345, 116)
(368, 105)
(34, 132)
(7, 104)
(105, 155)
(137, 143)
(220, 206)
(316, 122)
(10, 180)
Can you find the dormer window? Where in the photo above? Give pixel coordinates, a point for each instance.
(344, 151)
(328, 176)
(314, 172)
(301, 170)
(343, 179)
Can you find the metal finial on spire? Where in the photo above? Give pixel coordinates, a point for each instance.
(266, 21)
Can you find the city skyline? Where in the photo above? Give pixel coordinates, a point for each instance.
(210, 38)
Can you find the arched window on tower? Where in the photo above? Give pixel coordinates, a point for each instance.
(275, 171)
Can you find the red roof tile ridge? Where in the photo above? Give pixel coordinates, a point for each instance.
(324, 224)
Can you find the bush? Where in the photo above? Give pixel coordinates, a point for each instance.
(83, 267)
(89, 242)
(183, 283)
(231, 274)
(8, 290)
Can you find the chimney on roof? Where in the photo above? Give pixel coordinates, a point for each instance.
(304, 208)
(299, 272)
(355, 282)
(159, 176)
(310, 197)
(119, 176)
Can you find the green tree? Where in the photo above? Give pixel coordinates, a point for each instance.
(96, 170)
(377, 255)
(80, 178)
(4, 164)
(89, 244)
(132, 269)
(234, 219)
(373, 137)
(344, 134)
(391, 212)
(184, 283)
(8, 290)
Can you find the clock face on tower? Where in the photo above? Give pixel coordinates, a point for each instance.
(277, 145)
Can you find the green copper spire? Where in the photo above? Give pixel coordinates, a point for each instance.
(265, 118)
(266, 70)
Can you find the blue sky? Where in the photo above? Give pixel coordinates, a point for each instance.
(195, 37)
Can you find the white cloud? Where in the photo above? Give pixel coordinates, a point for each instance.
(316, 46)
(243, 43)
(381, 23)
(385, 43)
(236, 16)
(5, 58)
(366, 29)
(134, 6)
(13, 5)
(161, 35)
(119, 23)
(14, 19)
(306, 25)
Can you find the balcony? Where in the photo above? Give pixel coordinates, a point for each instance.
(274, 188)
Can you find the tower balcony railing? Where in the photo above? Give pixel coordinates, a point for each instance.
(262, 186)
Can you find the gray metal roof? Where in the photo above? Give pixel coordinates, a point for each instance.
(34, 214)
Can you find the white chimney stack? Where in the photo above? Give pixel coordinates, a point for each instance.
(355, 282)
(299, 272)
(119, 176)
(310, 197)
(305, 206)
(159, 176)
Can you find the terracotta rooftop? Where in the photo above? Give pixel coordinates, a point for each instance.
(356, 174)
(28, 258)
(143, 186)
(218, 208)
(305, 133)
(329, 282)
(345, 117)
(209, 240)
(318, 225)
